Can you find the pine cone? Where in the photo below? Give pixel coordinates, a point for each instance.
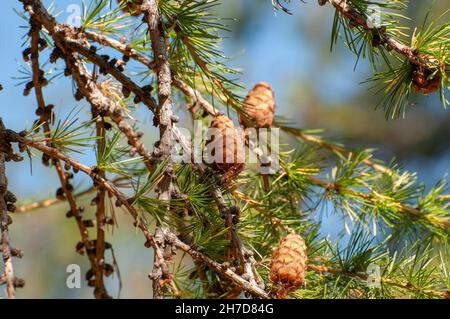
(132, 7)
(422, 82)
(289, 263)
(230, 145)
(259, 107)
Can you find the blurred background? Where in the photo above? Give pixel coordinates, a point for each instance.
(314, 87)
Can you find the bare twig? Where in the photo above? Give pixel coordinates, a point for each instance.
(8, 274)
(123, 48)
(42, 204)
(100, 216)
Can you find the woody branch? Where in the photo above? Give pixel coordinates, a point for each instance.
(345, 8)
(165, 119)
(7, 199)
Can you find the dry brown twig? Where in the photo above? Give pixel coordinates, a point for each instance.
(7, 277)
(100, 216)
(45, 113)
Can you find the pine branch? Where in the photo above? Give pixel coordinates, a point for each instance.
(62, 35)
(421, 68)
(149, 9)
(400, 207)
(126, 49)
(228, 97)
(426, 61)
(185, 37)
(387, 281)
(82, 224)
(261, 208)
(208, 108)
(199, 101)
(43, 204)
(246, 256)
(338, 149)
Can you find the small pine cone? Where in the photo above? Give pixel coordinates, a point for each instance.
(132, 7)
(289, 263)
(423, 83)
(259, 107)
(230, 145)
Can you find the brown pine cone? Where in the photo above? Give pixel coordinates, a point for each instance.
(289, 263)
(259, 107)
(422, 82)
(132, 7)
(230, 145)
